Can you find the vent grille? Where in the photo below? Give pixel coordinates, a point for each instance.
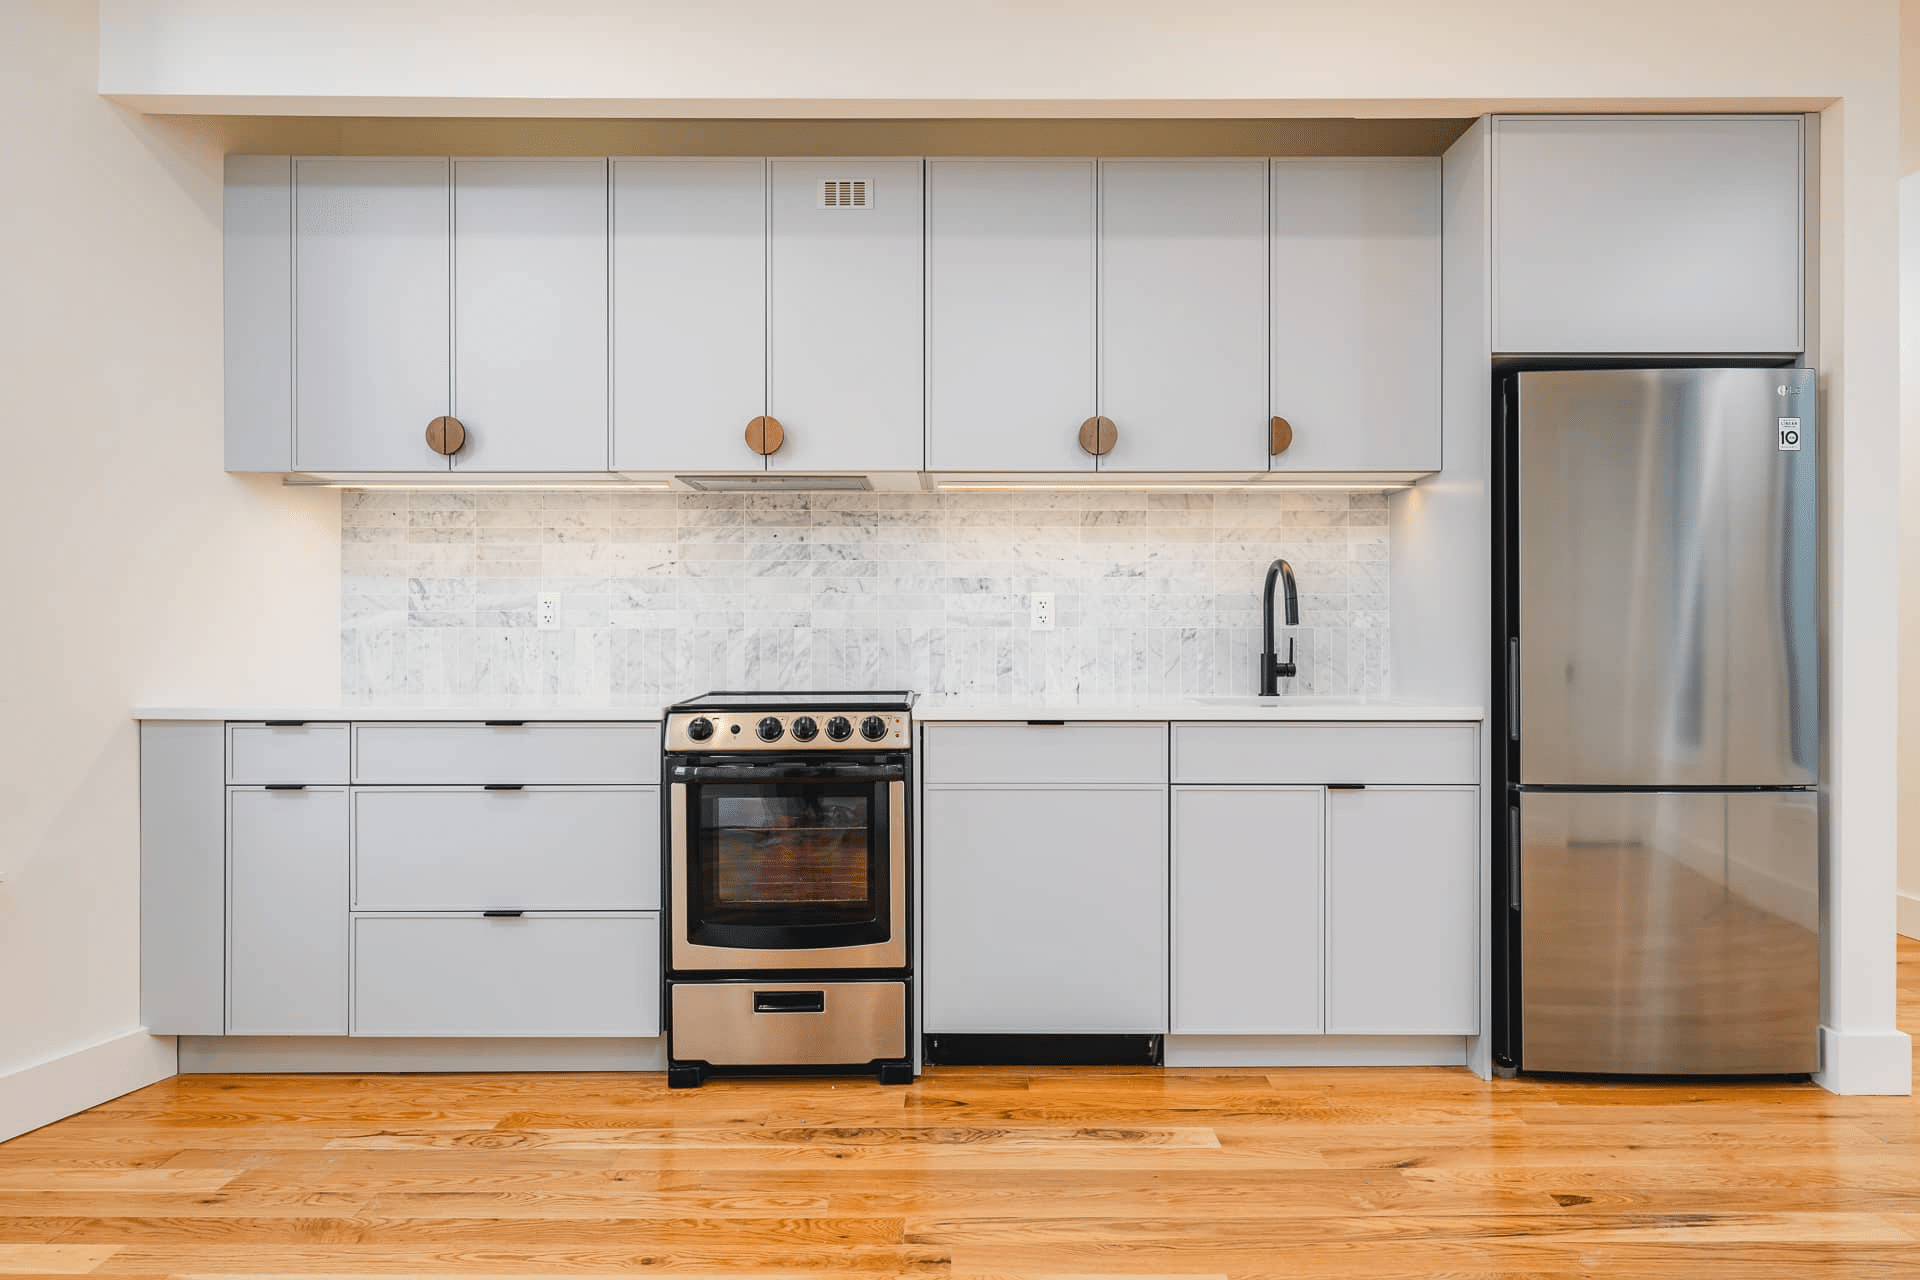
(846, 193)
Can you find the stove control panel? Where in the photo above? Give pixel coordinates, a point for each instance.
(766, 731)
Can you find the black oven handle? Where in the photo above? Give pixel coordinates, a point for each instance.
(789, 772)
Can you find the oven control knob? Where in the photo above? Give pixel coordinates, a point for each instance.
(770, 729)
(699, 728)
(805, 729)
(839, 728)
(873, 728)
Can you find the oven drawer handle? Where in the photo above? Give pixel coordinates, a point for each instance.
(779, 773)
(789, 1002)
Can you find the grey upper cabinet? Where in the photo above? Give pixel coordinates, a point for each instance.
(1648, 233)
(845, 279)
(689, 265)
(257, 298)
(530, 314)
(1356, 313)
(372, 333)
(1183, 314)
(1010, 314)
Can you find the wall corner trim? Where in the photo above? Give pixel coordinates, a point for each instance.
(1865, 1062)
(1907, 919)
(42, 1092)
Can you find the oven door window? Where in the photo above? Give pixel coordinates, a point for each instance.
(788, 865)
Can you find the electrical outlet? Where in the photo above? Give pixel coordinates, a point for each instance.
(547, 610)
(1042, 605)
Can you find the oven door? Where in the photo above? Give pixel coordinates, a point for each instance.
(791, 866)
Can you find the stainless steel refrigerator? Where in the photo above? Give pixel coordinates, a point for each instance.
(1657, 880)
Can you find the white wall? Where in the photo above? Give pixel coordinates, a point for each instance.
(131, 567)
(1910, 465)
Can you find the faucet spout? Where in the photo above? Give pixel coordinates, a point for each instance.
(1272, 669)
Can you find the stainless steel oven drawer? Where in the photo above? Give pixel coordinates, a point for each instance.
(773, 1024)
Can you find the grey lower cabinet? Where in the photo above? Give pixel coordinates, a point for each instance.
(1326, 880)
(1248, 934)
(538, 974)
(1403, 910)
(429, 896)
(287, 911)
(1044, 886)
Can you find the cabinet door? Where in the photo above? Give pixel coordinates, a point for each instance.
(1010, 262)
(1647, 233)
(1403, 901)
(1183, 314)
(845, 317)
(1247, 911)
(372, 341)
(287, 912)
(1046, 910)
(1356, 313)
(530, 314)
(689, 313)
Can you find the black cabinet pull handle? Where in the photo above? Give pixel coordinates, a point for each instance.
(502, 915)
(504, 724)
(789, 1002)
(1346, 786)
(1046, 722)
(286, 786)
(285, 724)
(505, 786)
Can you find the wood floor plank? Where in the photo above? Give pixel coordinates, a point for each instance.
(53, 1259)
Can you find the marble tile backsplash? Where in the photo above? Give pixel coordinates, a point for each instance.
(666, 595)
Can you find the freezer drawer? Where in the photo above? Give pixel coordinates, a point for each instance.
(1670, 933)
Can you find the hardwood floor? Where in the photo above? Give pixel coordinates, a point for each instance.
(975, 1173)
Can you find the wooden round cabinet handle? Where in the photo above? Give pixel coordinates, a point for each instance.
(765, 435)
(1279, 437)
(446, 436)
(1097, 436)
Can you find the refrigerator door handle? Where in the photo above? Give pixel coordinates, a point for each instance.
(1513, 688)
(1513, 857)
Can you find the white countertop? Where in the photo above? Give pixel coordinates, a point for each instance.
(927, 710)
(1178, 707)
(503, 710)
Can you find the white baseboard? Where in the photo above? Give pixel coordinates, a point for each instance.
(1315, 1051)
(1907, 921)
(43, 1092)
(217, 1054)
(1861, 1062)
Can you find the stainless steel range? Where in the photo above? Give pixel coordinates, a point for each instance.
(787, 835)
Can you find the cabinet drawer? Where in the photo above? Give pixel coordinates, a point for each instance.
(998, 754)
(259, 754)
(446, 850)
(535, 975)
(473, 752)
(1321, 753)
